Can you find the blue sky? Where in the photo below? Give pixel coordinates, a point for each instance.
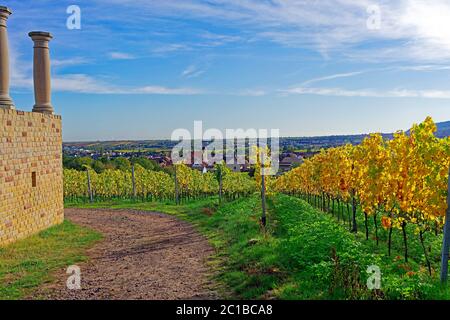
(140, 69)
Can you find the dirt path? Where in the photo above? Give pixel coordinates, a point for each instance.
(143, 256)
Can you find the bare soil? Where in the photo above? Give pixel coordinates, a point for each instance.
(143, 256)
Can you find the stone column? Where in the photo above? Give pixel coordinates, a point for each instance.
(5, 100)
(41, 72)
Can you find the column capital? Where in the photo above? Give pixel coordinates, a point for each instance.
(5, 12)
(40, 38)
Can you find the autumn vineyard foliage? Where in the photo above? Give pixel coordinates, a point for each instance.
(397, 182)
(155, 185)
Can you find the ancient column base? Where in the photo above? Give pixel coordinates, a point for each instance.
(43, 108)
(6, 103)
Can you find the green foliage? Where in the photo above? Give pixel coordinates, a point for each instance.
(77, 163)
(103, 163)
(146, 163)
(122, 164)
(98, 166)
(326, 253)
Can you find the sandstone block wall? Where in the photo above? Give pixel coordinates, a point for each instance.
(31, 178)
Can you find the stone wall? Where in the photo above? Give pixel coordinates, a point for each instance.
(31, 181)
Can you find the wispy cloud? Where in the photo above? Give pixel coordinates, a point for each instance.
(252, 93)
(21, 78)
(161, 90)
(192, 71)
(169, 48)
(407, 68)
(332, 77)
(425, 68)
(69, 62)
(121, 56)
(216, 40)
(82, 83)
(20, 72)
(371, 93)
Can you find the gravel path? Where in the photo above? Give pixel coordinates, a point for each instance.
(142, 256)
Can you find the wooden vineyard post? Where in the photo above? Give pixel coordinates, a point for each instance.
(220, 173)
(133, 178)
(91, 197)
(220, 184)
(354, 223)
(177, 195)
(446, 240)
(263, 194)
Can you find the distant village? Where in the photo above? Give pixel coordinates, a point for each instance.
(288, 160)
(293, 151)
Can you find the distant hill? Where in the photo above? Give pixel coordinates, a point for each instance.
(443, 129)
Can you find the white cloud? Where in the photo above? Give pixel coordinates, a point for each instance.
(216, 40)
(161, 90)
(424, 68)
(82, 83)
(170, 48)
(192, 71)
(429, 23)
(372, 93)
(332, 77)
(252, 93)
(85, 84)
(120, 56)
(19, 71)
(69, 62)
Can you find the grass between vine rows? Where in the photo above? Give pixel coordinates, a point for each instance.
(28, 263)
(303, 253)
